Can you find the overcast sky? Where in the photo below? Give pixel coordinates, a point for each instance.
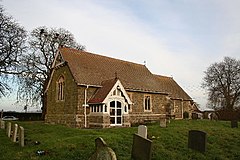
(178, 38)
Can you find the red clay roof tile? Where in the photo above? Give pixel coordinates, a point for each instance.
(102, 92)
(92, 69)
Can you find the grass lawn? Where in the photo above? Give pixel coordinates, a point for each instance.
(59, 142)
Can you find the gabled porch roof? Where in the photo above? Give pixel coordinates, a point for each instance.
(107, 86)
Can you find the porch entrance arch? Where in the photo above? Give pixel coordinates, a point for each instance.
(115, 113)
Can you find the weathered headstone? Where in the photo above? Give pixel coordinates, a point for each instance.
(1, 114)
(142, 148)
(21, 136)
(168, 120)
(234, 124)
(197, 140)
(214, 116)
(194, 116)
(103, 152)
(14, 135)
(9, 129)
(142, 131)
(2, 124)
(163, 122)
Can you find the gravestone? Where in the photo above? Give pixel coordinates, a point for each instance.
(194, 116)
(197, 140)
(9, 129)
(163, 122)
(1, 114)
(142, 131)
(2, 124)
(168, 120)
(103, 152)
(234, 124)
(21, 136)
(142, 148)
(14, 135)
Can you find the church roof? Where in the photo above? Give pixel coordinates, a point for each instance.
(92, 69)
(170, 86)
(102, 92)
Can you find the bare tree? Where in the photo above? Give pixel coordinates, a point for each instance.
(222, 80)
(37, 62)
(12, 44)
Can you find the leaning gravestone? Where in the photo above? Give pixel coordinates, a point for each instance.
(197, 140)
(142, 131)
(21, 136)
(234, 124)
(142, 148)
(102, 151)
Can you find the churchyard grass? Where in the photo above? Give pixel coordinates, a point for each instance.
(60, 142)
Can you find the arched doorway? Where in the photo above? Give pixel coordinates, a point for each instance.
(115, 113)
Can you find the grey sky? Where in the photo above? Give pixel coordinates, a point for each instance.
(178, 38)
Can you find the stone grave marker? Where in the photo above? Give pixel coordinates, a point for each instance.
(21, 136)
(9, 129)
(14, 135)
(2, 124)
(142, 148)
(1, 114)
(103, 152)
(197, 140)
(142, 131)
(168, 120)
(163, 122)
(194, 116)
(234, 124)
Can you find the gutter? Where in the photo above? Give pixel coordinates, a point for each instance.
(85, 107)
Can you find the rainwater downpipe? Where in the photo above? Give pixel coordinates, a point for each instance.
(182, 108)
(85, 107)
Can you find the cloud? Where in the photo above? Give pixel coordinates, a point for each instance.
(175, 38)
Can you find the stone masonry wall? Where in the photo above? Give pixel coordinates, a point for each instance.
(137, 113)
(64, 111)
(178, 104)
(80, 106)
(70, 111)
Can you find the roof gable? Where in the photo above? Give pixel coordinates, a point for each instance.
(102, 92)
(108, 87)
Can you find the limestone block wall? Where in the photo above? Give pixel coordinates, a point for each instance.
(81, 97)
(178, 108)
(137, 113)
(99, 120)
(62, 111)
(126, 121)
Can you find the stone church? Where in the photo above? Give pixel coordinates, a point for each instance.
(87, 90)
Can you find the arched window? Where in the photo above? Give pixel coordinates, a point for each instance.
(60, 88)
(147, 102)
